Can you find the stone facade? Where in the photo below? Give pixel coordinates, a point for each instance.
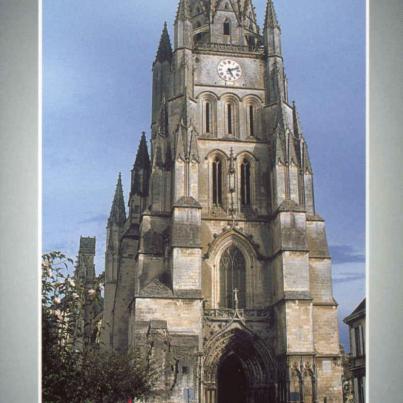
(221, 269)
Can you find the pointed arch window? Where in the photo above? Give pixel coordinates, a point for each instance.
(208, 117)
(217, 182)
(232, 277)
(245, 183)
(229, 118)
(251, 113)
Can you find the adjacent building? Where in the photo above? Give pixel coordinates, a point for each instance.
(356, 323)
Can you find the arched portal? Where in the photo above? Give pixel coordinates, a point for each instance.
(238, 368)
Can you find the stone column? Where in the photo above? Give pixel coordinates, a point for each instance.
(210, 395)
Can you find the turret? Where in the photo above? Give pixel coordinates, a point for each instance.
(276, 85)
(183, 50)
(164, 52)
(183, 26)
(272, 31)
(85, 270)
(296, 121)
(306, 172)
(162, 73)
(116, 222)
(140, 180)
(118, 212)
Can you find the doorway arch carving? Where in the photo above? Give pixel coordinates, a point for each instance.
(250, 358)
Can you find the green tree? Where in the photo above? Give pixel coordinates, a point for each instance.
(70, 372)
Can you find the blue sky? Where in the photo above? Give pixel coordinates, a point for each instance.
(97, 58)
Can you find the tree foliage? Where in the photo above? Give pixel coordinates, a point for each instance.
(72, 372)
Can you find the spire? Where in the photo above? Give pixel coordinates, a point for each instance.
(307, 167)
(165, 49)
(296, 121)
(141, 170)
(118, 212)
(292, 155)
(183, 13)
(142, 157)
(271, 17)
(278, 148)
(281, 119)
(248, 5)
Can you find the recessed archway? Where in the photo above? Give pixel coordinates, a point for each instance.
(231, 381)
(238, 368)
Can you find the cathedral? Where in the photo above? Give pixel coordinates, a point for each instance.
(219, 269)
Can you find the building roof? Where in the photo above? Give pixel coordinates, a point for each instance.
(358, 313)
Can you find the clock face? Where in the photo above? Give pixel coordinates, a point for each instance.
(229, 70)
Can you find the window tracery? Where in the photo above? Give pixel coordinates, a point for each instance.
(245, 183)
(231, 115)
(208, 110)
(232, 277)
(217, 182)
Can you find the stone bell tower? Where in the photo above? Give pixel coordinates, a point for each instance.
(221, 269)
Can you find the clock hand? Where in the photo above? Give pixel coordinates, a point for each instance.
(234, 69)
(230, 70)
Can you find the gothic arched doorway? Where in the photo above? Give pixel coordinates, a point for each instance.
(231, 381)
(238, 368)
(232, 276)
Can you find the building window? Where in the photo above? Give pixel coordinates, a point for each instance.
(232, 278)
(358, 345)
(227, 28)
(251, 120)
(217, 182)
(229, 118)
(245, 183)
(208, 117)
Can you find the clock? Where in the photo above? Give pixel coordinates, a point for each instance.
(229, 70)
